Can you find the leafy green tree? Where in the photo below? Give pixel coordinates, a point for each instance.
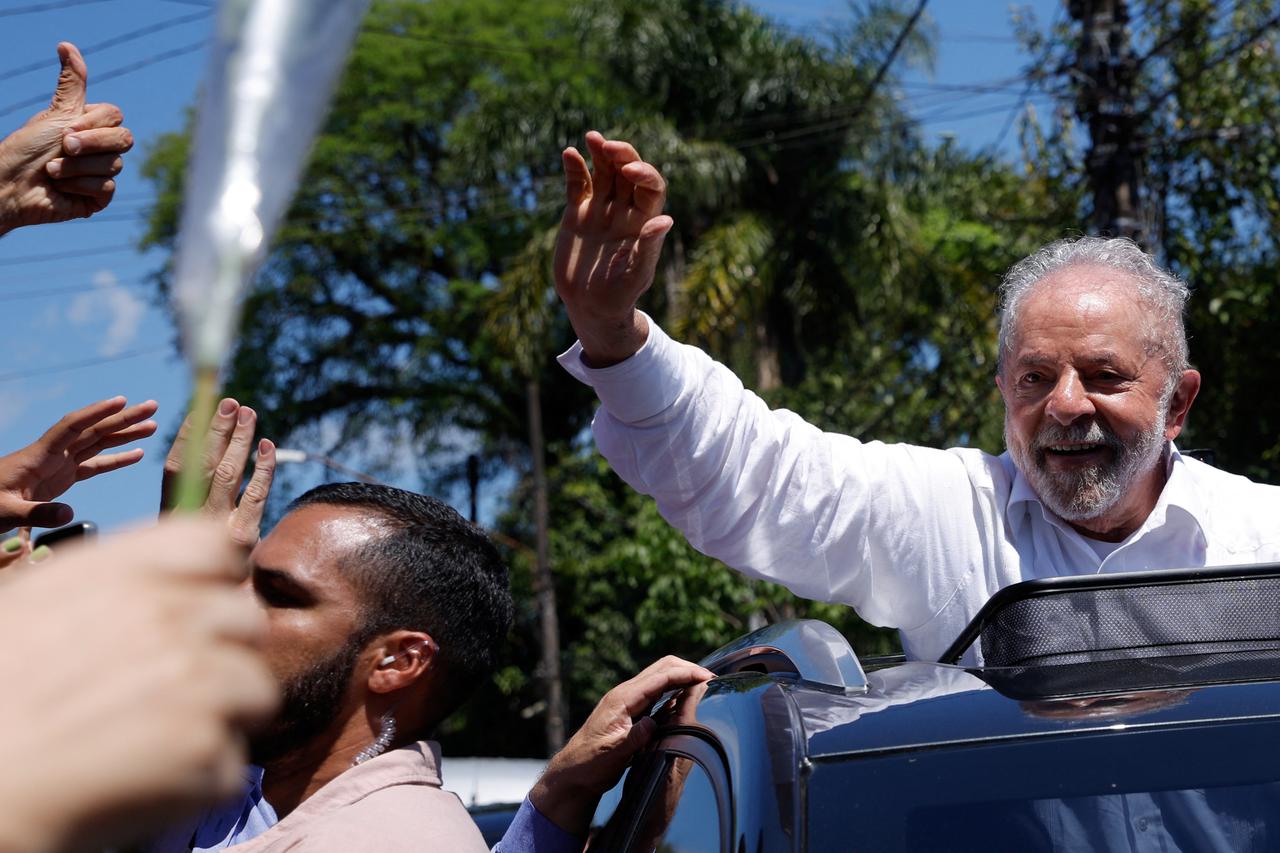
(1207, 104)
(839, 265)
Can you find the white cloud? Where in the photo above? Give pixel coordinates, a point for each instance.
(121, 310)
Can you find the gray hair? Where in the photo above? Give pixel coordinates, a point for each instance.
(1164, 293)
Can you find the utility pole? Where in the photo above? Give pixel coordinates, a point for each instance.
(1107, 68)
(473, 486)
(544, 588)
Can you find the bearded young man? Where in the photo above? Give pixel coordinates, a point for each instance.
(1094, 375)
(384, 610)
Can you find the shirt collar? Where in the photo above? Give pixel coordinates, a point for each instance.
(416, 763)
(1179, 492)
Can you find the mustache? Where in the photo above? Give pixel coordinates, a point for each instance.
(1090, 433)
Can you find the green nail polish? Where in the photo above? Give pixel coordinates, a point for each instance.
(41, 553)
(12, 545)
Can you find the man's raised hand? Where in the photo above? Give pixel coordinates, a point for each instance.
(226, 455)
(610, 238)
(67, 453)
(62, 163)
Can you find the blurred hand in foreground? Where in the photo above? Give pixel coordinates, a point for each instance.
(126, 698)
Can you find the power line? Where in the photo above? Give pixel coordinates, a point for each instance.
(115, 41)
(1194, 19)
(58, 256)
(820, 133)
(113, 74)
(453, 41)
(17, 375)
(47, 7)
(68, 290)
(1031, 81)
(979, 37)
(1005, 84)
(855, 110)
(1219, 133)
(1253, 35)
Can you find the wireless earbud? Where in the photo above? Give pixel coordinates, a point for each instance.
(428, 645)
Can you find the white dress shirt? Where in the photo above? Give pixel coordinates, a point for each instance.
(912, 537)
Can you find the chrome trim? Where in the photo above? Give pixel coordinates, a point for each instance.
(809, 648)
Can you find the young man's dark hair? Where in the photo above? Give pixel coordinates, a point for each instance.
(435, 572)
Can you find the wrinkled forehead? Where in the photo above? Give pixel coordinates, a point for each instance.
(1081, 301)
(1086, 288)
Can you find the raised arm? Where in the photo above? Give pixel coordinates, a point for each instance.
(831, 517)
(610, 239)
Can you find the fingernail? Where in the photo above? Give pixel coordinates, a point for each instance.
(264, 448)
(246, 414)
(71, 144)
(41, 553)
(12, 545)
(227, 407)
(54, 168)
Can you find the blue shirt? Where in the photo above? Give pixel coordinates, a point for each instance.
(240, 819)
(532, 832)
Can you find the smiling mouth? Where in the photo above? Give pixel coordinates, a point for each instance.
(1066, 454)
(1074, 449)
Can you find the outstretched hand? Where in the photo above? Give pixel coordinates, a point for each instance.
(68, 453)
(593, 760)
(610, 238)
(62, 163)
(226, 455)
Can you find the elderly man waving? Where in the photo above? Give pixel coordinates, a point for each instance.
(1095, 379)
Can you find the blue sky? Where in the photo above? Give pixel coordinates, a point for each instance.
(81, 324)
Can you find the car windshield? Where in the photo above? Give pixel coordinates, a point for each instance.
(1205, 787)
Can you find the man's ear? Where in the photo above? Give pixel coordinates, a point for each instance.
(403, 658)
(1180, 403)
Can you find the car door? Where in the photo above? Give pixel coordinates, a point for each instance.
(676, 800)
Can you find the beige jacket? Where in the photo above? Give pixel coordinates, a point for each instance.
(390, 804)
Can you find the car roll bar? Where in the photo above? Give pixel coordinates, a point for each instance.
(808, 648)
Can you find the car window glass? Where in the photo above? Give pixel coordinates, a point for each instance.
(609, 803)
(681, 815)
(1187, 788)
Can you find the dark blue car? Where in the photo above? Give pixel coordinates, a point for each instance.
(1107, 713)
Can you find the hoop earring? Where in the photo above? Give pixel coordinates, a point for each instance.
(384, 739)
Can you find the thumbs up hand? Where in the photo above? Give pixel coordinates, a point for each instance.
(62, 163)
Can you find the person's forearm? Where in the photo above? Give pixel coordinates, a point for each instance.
(566, 806)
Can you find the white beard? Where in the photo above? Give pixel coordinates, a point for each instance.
(1088, 492)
